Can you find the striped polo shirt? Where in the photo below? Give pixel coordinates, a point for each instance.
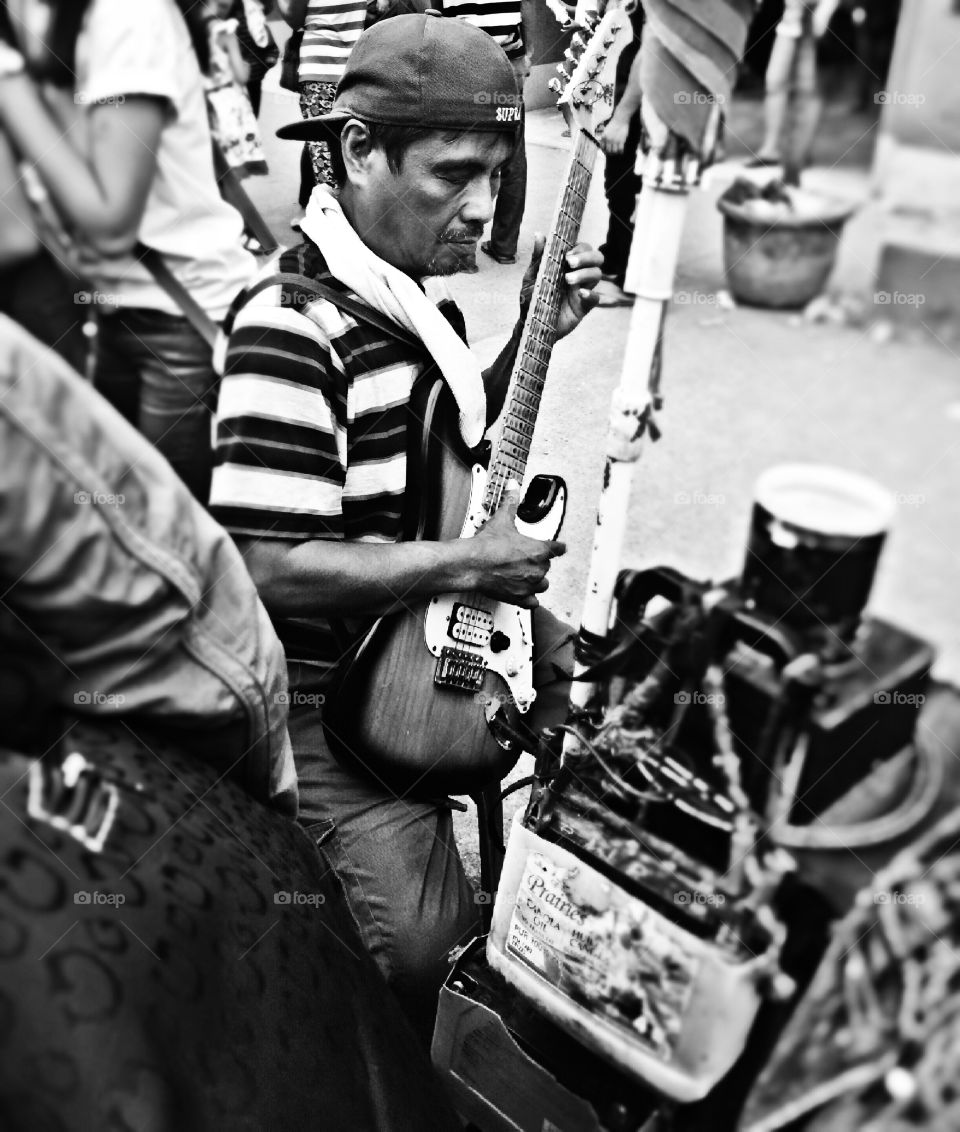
(499, 18)
(330, 30)
(312, 430)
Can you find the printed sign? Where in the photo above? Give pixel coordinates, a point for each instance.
(627, 963)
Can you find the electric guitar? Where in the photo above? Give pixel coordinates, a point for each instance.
(430, 700)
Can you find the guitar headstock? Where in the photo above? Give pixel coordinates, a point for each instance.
(588, 73)
(585, 86)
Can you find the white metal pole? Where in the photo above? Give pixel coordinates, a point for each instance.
(661, 210)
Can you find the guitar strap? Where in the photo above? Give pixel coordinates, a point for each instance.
(344, 302)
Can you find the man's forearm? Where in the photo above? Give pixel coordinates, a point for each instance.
(320, 577)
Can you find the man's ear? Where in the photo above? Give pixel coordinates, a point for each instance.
(356, 150)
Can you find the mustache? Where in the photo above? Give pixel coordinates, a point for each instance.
(459, 235)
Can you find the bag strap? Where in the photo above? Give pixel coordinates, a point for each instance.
(348, 303)
(154, 262)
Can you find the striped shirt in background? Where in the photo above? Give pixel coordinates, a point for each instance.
(498, 18)
(331, 29)
(312, 430)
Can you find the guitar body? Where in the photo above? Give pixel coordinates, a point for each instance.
(412, 705)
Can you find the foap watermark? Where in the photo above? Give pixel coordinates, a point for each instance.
(300, 699)
(497, 98)
(699, 499)
(99, 499)
(698, 98)
(81, 98)
(494, 699)
(99, 699)
(899, 98)
(896, 897)
(696, 298)
(909, 499)
(95, 299)
(899, 298)
(311, 899)
(482, 898)
(900, 699)
(297, 298)
(687, 896)
(113, 899)
(683, 698)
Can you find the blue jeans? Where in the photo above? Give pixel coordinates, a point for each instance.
(156, 370)
(396, 858)
(38, 294)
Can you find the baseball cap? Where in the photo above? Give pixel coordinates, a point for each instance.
(421, 70)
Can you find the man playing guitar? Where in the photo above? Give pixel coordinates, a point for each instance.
(314, 431)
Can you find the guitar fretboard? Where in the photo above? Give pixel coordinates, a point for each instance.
(512, 448)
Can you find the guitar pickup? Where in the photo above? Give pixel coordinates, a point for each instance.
(462, 670)
(470, 625)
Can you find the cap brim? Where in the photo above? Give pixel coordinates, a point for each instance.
(315, 129)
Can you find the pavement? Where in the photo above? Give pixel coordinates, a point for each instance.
(745, 388)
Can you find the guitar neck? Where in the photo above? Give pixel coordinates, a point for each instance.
(512, 447)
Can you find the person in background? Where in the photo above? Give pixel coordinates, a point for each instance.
(257, 45)
(35, 288)
(232, 119)
(793, 104)
(330, 29)
(503, 21)
(620, 141)
(107, 103)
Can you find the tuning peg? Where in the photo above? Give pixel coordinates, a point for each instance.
(555, 85)
(578, 42)
(569, 56)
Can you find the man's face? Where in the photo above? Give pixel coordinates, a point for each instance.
(426, 218)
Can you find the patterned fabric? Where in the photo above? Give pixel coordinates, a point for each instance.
(312, 427)
(232, 121)
(193, 967)
(317, 99)
(690, 48)
(499, 18)
(331, 29)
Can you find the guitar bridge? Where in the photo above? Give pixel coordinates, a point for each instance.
(457, 669)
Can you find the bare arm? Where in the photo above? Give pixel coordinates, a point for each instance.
(294, 12)
(18, 240)
(318, 577)
(238, 65)
(614, 137)
(102, 193)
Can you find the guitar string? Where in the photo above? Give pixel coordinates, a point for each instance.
(530, 382)
(521, 415)
(536, 345)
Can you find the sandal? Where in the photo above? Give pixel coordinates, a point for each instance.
(487, 249)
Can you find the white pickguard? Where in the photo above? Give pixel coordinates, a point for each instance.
(475, 618)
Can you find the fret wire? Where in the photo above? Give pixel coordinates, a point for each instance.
(539, 333)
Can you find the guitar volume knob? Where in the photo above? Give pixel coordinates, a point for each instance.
(499, 642)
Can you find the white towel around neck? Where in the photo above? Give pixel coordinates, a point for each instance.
(389, 291)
